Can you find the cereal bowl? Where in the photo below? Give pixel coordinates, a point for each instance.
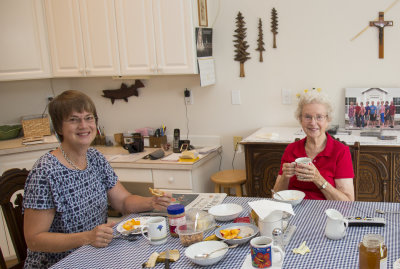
(188, 235)
(206, 247)
(292, 197)
(225, 212)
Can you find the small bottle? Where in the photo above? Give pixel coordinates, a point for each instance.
(373, 252)
(176, 218)
(277, 237)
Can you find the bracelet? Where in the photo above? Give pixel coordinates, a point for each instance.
(324, 185)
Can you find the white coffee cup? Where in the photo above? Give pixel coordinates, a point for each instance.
(156, 230)
(303, 160)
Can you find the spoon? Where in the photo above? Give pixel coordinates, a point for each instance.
(277, 194)
(386, 212)
(206, 255)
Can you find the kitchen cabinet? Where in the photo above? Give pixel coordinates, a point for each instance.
(23, 46)
(82, 36)
(156, 37)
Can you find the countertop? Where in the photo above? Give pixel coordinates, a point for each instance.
(289, 134)
(14, 146)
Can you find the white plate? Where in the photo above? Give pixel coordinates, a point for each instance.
(136, 230)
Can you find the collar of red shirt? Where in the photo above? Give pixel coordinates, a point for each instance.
(301, 150)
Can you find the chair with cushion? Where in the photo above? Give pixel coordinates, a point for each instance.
(11, 182)
(229, 179)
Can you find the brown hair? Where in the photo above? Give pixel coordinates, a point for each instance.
(64, 104)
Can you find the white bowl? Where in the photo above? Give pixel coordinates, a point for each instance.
(247, 232)
(225, 212)
(292, 197)
(206, 247)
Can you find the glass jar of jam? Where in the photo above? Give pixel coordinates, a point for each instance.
(176, 218)
(373, 252)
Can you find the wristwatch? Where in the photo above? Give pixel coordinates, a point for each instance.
(323, 186)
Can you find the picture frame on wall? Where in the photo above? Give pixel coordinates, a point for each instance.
(202, 7)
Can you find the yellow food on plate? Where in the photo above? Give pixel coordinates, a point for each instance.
(130, 224)
(230, 233)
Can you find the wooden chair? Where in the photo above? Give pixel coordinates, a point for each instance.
(229, 179)
(11, 181)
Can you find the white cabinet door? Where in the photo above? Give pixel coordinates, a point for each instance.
(157, 39)
(83, 37)
(23, 46)
(136, 37)
(174, 33)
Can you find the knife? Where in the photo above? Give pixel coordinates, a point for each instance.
(167, 259)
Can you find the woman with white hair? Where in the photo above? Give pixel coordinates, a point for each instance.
(330, 174)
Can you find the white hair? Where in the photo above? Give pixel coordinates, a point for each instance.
(314, 97)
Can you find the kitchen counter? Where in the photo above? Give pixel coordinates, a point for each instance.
(15, 146)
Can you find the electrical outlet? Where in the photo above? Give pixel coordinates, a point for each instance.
(49, 98)
(188, 97)
(236, 140)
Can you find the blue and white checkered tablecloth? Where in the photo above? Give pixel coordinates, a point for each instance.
(310, 221)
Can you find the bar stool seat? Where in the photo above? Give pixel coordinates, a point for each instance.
(229, 179)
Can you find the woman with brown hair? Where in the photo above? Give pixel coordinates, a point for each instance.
(68, 189)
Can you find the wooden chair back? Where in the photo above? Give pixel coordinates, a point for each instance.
(12, 181)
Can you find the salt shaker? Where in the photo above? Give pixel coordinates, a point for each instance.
(277, 236)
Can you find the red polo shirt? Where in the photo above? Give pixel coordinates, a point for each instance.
(333, 162)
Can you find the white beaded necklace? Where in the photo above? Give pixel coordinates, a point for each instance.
(70, 161)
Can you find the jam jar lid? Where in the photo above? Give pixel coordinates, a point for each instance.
(175, 209)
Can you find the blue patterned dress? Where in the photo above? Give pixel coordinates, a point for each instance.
(79, 198)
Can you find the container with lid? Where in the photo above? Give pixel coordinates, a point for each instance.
(176, 217)
(373, 252)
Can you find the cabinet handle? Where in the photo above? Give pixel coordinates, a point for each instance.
(81, 71)
(152, 67)
(87, 71)
(171, 179)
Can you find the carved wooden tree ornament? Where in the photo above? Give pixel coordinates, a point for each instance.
(381, 24)
(260, 40)
(274, 25)
(241, 55)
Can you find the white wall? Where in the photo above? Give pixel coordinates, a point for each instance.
(314, 50)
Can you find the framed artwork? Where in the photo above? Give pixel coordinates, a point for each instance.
(202, 7)
(372, 108)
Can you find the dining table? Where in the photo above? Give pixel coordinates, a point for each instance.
(309, 220)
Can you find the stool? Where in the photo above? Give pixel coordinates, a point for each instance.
(229, 179)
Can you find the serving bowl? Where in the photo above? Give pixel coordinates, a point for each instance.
(206, 247)
(9, 131)
(292, 197)
(225, 212)
(247, 232)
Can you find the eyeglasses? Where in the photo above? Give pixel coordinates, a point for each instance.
(76, 120)
(318, 118)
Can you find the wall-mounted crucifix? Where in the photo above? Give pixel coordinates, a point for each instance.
(381, 23)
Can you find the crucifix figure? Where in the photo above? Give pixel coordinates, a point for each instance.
(381, 23)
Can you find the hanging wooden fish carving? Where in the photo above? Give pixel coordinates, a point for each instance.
(124, 92)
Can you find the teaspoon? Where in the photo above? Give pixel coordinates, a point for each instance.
(386, 212)
(206, 255)
(277, 194)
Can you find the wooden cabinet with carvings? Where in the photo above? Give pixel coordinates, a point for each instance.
(379, 174)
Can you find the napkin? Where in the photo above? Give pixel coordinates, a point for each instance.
(302, 249)
(264, 208)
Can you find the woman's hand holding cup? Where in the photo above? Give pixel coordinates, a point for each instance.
(288, 170)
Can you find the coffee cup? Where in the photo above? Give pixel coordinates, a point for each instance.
(263, 253)
(303, 160)
(156, 230)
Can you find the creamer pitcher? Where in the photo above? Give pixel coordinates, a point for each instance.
(336, 224)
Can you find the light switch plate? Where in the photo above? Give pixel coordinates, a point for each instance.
(236, 97)
(286, 97)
